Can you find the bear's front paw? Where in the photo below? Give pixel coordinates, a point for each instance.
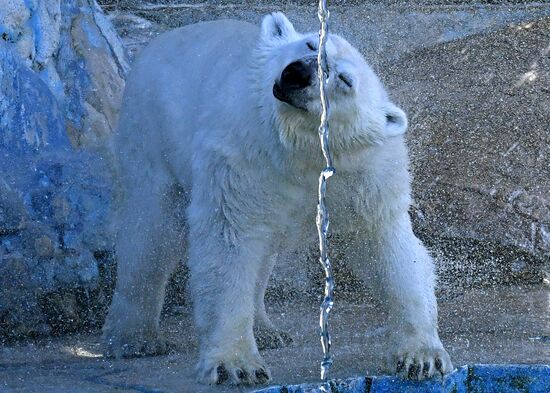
(422, 363)
(271, 338)
(240, 370)
(135, 345)
(418, 358)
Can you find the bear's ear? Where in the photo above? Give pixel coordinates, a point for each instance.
(396, 120)
(277, 26)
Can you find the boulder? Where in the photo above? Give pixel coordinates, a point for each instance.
(62, 71)
(479, 112)
(74, 49)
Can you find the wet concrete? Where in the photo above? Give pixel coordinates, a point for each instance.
(501, 325)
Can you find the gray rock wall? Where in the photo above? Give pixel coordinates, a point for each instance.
(62, 71)
(480, 134)
(74, 49)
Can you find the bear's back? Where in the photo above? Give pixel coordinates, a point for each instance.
(191, 79)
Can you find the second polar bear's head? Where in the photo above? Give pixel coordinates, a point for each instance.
(360, 110)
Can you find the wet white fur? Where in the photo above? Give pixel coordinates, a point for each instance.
(199, 112)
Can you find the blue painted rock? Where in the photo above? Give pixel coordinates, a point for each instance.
(62, 71)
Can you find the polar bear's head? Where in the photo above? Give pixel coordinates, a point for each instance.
(360, 110)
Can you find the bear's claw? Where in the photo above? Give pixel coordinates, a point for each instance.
(222, 374)
(235, 374)
(262, 375)
(423, 364)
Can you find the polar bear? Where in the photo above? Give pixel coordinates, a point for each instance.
(219, 160)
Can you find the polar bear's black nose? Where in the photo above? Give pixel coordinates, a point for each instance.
(296, 75)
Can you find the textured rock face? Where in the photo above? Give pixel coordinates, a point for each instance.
(61, 77)
(480, 139)
(75, 51)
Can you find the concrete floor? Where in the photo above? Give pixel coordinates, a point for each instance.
(496, 325)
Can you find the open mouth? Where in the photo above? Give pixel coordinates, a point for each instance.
(278, 93)
(281, 96)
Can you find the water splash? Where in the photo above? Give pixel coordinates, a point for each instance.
(326, 173)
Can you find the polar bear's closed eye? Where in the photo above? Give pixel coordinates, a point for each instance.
(312, 46)
(346, 78)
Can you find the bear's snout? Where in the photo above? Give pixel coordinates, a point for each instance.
(296, 76)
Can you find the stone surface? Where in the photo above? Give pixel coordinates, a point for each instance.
(501, 325)
(480, 116)
(379, 29)
(74, 49)
(61, 77)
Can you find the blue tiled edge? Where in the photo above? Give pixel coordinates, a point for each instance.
(509, 379)
(476, 378)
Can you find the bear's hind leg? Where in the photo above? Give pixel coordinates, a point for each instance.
(267, 335)
(146, 247)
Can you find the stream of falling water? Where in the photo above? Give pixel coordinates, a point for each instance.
(327, 172)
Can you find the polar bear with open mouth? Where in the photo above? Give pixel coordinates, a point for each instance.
(219, 159)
